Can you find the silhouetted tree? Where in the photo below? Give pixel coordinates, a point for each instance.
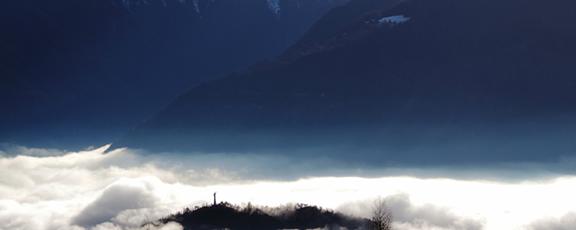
(381, 216)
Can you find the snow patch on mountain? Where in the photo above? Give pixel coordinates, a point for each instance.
(196, 4)
(274, 6)
(394, 20)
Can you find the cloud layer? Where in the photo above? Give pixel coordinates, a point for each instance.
(50, 189)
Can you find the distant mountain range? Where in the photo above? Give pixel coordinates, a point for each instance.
(414, 81)
(78, 72)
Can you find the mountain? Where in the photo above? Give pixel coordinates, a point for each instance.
(415, 81)
(85, 71)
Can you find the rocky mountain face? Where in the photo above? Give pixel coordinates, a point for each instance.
(93, 68)
(444, 81)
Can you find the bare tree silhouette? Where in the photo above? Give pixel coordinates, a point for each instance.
(381, 216)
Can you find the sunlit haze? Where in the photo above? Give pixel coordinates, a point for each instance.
(93, 190)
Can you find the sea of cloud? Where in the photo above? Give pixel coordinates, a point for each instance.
(44, 189)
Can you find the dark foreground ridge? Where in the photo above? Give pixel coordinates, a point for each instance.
(300, 216)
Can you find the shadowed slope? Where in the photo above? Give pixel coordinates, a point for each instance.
(456, 82)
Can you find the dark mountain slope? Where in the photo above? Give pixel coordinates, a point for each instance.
(423, 82)
(84, 71)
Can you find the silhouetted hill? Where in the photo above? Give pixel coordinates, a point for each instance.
(444, 81)
(228, 216)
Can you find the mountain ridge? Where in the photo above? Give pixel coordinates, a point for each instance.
(445, 86)
(143, 57)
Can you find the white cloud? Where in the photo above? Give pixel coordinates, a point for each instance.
(89, 187)
(427, 216)
(566, 222)
(125, 194)
(410, 216)
(122, 190)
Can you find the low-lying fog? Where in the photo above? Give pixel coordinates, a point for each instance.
(121, 189)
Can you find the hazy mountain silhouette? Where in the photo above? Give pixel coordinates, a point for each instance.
(91, 69)
(444, 81)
